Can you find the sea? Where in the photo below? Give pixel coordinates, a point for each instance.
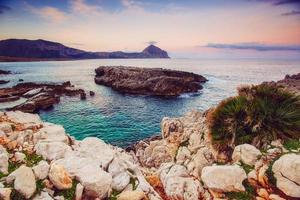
(121, 119)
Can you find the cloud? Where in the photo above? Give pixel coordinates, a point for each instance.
(284, 2)
(152, 42)
(292, 13)
(4, 8)
(254, 46)
(80, 6)
(49, 13)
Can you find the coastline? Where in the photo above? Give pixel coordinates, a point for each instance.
(181, 163)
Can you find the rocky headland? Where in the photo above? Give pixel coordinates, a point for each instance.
(15, 50)
(290, 82)
(33, 97)
(148, 81)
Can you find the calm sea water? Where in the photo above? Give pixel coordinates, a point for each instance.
(123, 119)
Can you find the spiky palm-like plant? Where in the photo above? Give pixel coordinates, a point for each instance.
(258, 115)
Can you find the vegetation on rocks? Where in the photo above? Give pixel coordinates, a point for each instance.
(258, 115)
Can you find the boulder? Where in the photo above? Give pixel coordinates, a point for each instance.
(178, 184)
(202, 158)
(24, 181)
(95, 149)
(51, 132)
(26, 119)
(5, 193)
(246, 153)
(20, 157)
(224, 178)
(170, 125)
(286, 171)
(132, 195)
(78, 191)
(51, 150)
(6, 127)
(59, 177)
(43, 196)
(119, 174)
(96, 182)
(41, 170)
(3, 160)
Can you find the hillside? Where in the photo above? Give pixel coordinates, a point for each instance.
(27, 50)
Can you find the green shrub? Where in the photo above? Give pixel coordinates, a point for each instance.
(257, 115)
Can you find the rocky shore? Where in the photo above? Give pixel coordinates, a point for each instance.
(290, 82)
(39, 160)
(148, 81)
(33, 97)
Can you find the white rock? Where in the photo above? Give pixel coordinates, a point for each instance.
(3, 160)
(96, 182)
(51, 132)
(24, 181)
(170, 125)
(119, 174)
(275, 197)
(60, 177)
(5, 193)
(202, 158)
(178, 184)
(32, 92)
(246, 153)
(96, 149)
(79, 191)
(5, 127)
(43, 196)
(224, 178)
(132, 195)
(27, 119)
(287, 173)
(52, 150)
(20, 157)
(41, 170)
(183, 155)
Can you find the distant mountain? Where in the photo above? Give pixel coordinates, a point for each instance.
(26, 50)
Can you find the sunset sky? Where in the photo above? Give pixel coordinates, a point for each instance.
(185, 28)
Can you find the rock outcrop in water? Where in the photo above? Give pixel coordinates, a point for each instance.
(290, 82)
(148, 81)
(38, 96)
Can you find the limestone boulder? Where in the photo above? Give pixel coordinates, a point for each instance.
(203, 157)
(41, 170)
(287, 173)
(26, 119)
(24, 181)
(224, 178)
(132, 195)
(52, 150)
(51, 132)
(5, 193)
(171, 125)
(178, 184)
(246, 153)
(60, 177)
(3, 160)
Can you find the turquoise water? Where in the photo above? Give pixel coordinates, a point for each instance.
(123, 119)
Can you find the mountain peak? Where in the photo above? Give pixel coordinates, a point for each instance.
(154, 51)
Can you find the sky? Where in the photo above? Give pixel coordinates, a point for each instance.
(185, 28)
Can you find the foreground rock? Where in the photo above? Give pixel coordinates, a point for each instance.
(148, 81)
(38, 96)
(39, 160)
(287, 172)
(224, 178)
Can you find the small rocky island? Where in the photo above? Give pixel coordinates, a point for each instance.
(149, 81)
(32, 97)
